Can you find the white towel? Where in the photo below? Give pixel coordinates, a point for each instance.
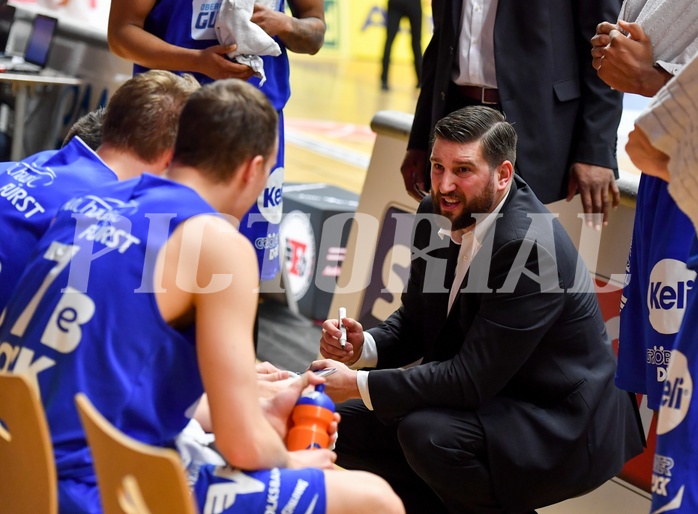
(234, 26)
(193, 445)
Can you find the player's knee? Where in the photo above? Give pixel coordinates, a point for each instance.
(380, 496)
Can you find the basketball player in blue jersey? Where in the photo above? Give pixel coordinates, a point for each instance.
(180, 35)
(139, 131)
(664, 145)
(142, 296)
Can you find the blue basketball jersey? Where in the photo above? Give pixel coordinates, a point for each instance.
(84, 318)
(31, 192)
(191, 24)
(675, 470)
(655, 295)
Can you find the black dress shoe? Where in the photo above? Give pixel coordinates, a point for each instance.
(384, 85)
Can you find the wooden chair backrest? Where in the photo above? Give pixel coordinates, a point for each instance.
(133, 477)
(28, 482)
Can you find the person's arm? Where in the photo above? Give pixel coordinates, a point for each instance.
(303, 33)
(128, 39)
(626, 63)
(646, 157)
(200, 275)
(414, 168)
(667, 134)
(594, 144)
(506, 330)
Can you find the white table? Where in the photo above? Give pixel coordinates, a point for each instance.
(21, 85)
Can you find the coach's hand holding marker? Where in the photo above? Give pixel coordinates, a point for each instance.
(341, 340)
(343, 337)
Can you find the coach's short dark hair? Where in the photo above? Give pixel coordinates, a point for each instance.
(479, 123)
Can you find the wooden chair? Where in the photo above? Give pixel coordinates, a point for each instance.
(28, 483)
(133, 477)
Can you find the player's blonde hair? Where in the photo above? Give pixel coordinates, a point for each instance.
(143, 114)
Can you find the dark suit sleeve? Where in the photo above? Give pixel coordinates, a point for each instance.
(601, 109)
(505, 332)
(398, 340)
(422, 122)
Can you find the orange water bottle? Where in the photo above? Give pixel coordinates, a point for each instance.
(311, 417)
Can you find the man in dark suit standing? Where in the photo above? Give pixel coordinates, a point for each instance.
(532, 61)
(513, 406)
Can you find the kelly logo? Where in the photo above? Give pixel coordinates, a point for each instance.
(670, 282)
(676, 395)
(270, 202)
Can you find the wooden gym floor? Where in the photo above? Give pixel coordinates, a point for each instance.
(328, 135)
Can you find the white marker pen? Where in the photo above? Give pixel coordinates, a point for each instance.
(343, 337)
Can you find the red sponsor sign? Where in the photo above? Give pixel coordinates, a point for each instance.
(637, 471)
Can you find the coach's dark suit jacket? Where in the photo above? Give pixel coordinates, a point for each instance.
(536, 366)
(562, 111)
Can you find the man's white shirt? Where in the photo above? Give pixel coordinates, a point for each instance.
(475, 48)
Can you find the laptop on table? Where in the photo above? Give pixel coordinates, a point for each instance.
(37, 49)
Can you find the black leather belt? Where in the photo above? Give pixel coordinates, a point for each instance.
(484, 95)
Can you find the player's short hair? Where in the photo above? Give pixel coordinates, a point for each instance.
(223, 124)
(143, 114)
(479, 123)
(88, 128)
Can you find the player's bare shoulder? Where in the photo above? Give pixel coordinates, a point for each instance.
(215, 239)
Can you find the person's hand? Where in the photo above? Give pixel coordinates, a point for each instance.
(322, 459)
(331, 348)
(601, 39)
(270, 388)
(271, 380)
(271, 21)
(626, 63)
(340, 386)
(598, 191)
(414, 171)
(278, 408)
(645, 156)
(215, 64)
(266, 371)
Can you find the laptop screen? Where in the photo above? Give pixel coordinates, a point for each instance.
(7, 16)
(39, 42)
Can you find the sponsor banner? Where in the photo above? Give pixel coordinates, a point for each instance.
(356, 29)
(637, 471)
(298, 240)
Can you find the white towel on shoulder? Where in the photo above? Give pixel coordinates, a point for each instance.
(234, 26)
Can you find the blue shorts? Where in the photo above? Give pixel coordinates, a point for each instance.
(75, 497)
(656, 291)
(261, 223)
(675, 469)
(225, 490)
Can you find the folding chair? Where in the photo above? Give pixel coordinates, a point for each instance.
(133, 477)
(28, 484)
